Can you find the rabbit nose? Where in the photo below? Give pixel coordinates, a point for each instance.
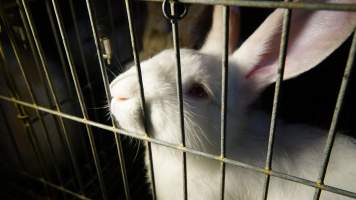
(121, 98)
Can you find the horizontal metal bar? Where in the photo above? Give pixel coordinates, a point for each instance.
(184, 149)
(273, 4)
(34, 119)
(313, 184)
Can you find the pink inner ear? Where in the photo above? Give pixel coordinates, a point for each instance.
(313, 36)
(268, 57)
(253, 71)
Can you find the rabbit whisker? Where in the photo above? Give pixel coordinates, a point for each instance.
(99, 107)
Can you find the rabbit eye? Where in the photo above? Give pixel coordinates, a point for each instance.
(197, 91)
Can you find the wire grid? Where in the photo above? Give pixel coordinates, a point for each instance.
(20, 105)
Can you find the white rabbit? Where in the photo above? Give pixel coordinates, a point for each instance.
(298, 148)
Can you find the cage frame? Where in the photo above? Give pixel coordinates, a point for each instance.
(267, 171)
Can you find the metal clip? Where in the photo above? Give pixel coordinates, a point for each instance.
(106, 46)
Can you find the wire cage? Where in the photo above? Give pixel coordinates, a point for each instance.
(56, 143)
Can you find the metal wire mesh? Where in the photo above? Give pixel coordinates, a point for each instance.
(54, 107)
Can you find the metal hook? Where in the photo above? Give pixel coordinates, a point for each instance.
(180, 10)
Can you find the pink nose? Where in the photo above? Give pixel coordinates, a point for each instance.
(121, 98)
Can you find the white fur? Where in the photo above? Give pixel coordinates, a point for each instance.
(298, 148)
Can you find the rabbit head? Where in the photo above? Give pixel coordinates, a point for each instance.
(201, 85)
(253, 66)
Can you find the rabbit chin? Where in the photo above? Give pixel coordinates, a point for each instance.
(128, 115)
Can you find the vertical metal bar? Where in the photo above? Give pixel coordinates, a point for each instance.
(142, 92)
(24, 117)
(224, 89)
(61, 58)
(33, 99)
(82, 57)
(24, 10)
(59, 50)
(277, 90)
(174, 23)
(332, 131)
(94, 28)
(80, 97)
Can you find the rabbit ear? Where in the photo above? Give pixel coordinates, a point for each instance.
(313, 36)
(214, 41)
